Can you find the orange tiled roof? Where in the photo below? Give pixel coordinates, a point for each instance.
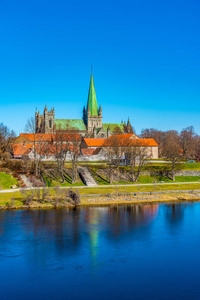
(119, 136)
(53, 150)
(50, 137)
(91, 142)
(21, 140)
(19, 150)
(87, 151)
(124, 136)
(96, 151)
(38, 137)
(91, 151)
(144, 142)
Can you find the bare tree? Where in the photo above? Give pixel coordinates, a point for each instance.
(6, 138)
(117, 130)
(136, 155)
(172, 149)
(28, 196)
(61, 150)
(155, 134)
(115, 149)
(30, 128)
(41, 195)
(187, 142)
(110, 156)
(41, 145)
(67, 142)
(74, 143)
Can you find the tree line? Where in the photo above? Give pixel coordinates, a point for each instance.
(172, 146)
(188, 141)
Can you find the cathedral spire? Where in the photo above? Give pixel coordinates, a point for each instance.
(92, 100)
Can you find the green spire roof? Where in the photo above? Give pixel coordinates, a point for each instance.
(92, 100)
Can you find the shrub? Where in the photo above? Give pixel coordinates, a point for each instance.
(28, 196)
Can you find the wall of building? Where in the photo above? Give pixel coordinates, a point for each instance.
(93, 121)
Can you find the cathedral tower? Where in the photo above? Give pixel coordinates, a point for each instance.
(94, 115)
(45, 123)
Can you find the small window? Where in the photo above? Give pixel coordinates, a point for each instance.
(102, 135)
(50, 124)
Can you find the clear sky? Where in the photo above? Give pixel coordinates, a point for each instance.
(145, 56)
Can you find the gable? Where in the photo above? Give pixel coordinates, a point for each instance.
(21, 140)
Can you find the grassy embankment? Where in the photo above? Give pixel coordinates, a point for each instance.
(5, 198)
(53, 178)
(7, 180)
(101, 178)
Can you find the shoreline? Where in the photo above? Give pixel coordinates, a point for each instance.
(115, 200)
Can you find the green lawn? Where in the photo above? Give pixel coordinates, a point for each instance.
(129, 189)
(190, 166)
(151, 179)
(53, 178)
(52, 183)
(6, 197)
(101, 180)
(7, 180)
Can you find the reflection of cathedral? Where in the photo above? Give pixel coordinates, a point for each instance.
(89, 126)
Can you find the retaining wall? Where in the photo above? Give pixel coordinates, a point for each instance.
(141, 193)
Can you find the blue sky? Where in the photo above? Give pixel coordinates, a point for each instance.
(145, 57)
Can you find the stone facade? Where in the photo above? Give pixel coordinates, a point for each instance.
(90, 125)
(45, 123)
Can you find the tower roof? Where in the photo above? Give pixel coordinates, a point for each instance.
(92, 100)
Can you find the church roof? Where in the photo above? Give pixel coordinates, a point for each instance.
(92, 100)
(76, 124)
(112, 126)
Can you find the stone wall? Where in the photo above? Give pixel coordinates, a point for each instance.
(178, 173)
(188, 173)
(142, 193)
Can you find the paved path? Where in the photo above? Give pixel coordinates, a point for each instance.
(88, 178)
(104, 186)
(26, 181)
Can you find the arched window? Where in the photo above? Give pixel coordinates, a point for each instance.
(50, 124)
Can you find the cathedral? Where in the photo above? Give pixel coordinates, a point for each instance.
(90, 125)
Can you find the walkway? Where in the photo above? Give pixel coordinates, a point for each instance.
(87, 177)
(26, 181)
(102, 186)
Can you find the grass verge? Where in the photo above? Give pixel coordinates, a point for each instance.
(7, 180)
(5, 198)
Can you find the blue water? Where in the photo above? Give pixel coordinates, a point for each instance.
(129, 252)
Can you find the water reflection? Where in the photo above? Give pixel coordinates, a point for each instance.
(128, 246)
(66, 230)
(175, 214)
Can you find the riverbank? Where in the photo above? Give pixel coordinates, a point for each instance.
(108, 199)
(140, 199)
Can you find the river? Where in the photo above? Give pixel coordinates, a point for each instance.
(126, 252)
